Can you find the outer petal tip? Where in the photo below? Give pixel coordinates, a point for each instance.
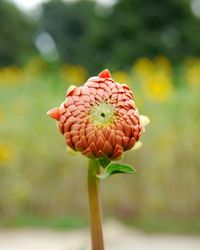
(144, 120)
(71, 151)
(137, 145)
(54, 113)
(105, 74)
(70, 89)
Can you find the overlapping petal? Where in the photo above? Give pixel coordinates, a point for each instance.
(100, 118)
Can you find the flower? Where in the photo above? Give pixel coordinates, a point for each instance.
(11, 75)
(73, 73)
(120, 76)
(143, 67)
(100, 118)
(192, 72)
(5, 154)
(155, 77)
(158, 87)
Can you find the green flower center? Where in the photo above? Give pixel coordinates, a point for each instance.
(102, 114)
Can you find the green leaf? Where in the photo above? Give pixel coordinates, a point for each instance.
(116, 169)
(104, 162)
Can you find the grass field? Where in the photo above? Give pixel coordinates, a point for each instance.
(38, 179)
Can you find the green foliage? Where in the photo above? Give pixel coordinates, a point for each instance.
(72, 222)
(68, 23)
(104, 162)
(115, 168)
(149, 28)
(15, 35)
(98, 37)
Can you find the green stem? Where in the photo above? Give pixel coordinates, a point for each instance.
(94, 204)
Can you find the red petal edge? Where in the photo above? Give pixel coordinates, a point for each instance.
(54, 113)
(105, 74)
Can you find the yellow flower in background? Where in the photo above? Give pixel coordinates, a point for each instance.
(155, 77)
(120, 76)
(163, 64)
(74, 73)
(35, 66)
(143, 67)
(192, 72)
(11, 75)
(158, 87)
(6, 154)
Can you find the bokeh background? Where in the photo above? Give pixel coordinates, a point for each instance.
(154, 46)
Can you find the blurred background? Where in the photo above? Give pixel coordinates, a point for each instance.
(154, 46)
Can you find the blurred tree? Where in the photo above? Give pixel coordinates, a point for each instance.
(148, 28)
(15, 35)
(67, 23)
(97, 36)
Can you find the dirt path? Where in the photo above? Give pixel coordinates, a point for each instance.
(117, 238)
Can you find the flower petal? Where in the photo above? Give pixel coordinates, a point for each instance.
(105, 74)
(54, 113)
(137, 145)
(70, 89)
(144, 120)
(71, 151)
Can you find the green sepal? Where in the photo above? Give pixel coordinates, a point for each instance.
(104, 162)
(116, 169)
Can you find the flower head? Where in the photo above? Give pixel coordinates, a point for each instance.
(100, 118)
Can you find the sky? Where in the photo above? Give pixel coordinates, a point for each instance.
(28, 5)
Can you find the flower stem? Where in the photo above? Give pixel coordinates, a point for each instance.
(94, 204)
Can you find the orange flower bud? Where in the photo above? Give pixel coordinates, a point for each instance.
(100, 118)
